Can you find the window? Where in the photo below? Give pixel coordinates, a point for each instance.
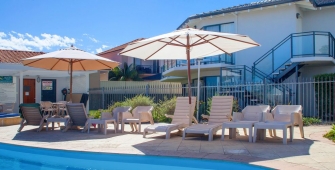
(227, 28)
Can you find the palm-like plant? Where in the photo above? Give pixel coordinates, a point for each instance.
(127, 73)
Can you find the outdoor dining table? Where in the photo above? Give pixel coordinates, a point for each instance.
(57, 105)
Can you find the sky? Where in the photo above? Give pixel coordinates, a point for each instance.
(94, 25)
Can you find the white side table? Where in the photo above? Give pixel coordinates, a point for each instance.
(102, 123)
(58, 120)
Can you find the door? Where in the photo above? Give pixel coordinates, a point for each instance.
(29, 91)
(48, 90)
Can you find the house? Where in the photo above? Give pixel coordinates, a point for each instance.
(148, 70)
(296, 37)
(22, 84)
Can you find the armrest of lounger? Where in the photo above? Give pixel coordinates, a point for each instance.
(237, 116)
(169, 116)
(267, 117)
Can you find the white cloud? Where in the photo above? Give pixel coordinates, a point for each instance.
(104, 46)
(29, 42)
(2, 34)
(91, 38)
(99, 50)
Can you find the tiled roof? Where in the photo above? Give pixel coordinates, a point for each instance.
(15, 56)
(321, 3)
(252, 5)
(120, 47)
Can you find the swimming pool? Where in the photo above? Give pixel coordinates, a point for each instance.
(20, 157)
(4, 115)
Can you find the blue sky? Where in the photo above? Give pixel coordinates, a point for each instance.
(93, 25)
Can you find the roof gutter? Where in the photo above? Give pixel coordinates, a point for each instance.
(237, 9)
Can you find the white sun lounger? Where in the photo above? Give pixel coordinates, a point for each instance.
(220, 112)
(180, 119)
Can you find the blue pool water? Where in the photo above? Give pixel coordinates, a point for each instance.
(4, 115)
(13, 157)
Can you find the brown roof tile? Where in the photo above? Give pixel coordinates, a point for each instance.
(120, 47)
(15, 56)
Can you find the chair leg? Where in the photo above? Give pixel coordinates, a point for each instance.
(291, 133)
(21, 125)
(184, 134)
(255, 134)
(122, 127)
(222, 135)
(274, 132)
(88, 130)
(139, 127)
(105, 128)
(245, 132)
(144, 133)
(250, 134)
(270, 132)
(115, 127)
(301, 127)
(285, 136)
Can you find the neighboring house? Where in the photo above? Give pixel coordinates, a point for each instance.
(22, 84)
(148, 70)
(296, 37)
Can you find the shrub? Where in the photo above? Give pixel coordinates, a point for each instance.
(331, 134)
(95, 114)
(139, 100)
(310, 121)
(166, 106)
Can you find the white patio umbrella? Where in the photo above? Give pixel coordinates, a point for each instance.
(188, 44)
(70, 59)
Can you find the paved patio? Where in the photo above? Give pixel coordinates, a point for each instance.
(313, 152)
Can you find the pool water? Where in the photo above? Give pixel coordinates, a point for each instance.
(13, 157)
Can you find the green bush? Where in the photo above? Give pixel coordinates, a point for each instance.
(331, 134)
(310, 121)
(324, 95)
(166, 106)
(95, 114)
(139, 100)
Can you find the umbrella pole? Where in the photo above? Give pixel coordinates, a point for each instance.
(189, 77)
(71, 69)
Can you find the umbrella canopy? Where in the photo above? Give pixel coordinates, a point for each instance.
(70, 59)
(188, 44)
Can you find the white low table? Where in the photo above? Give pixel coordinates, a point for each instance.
(58, 120)
(102, 123)
(239, 124)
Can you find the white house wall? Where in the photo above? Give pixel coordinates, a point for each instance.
(319, 20)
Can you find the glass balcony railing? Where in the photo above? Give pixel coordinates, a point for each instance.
(298, 45)
(224, 58)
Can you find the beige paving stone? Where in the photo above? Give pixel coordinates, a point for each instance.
(328, 165)
(311, 152)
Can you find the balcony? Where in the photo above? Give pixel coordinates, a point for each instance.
(296, 50)
(208, 62)
(146, 69)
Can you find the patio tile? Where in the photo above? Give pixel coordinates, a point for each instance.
(301, 154)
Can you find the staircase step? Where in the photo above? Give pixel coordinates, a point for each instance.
(288, 64)
(275, 73)
(281, 69)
